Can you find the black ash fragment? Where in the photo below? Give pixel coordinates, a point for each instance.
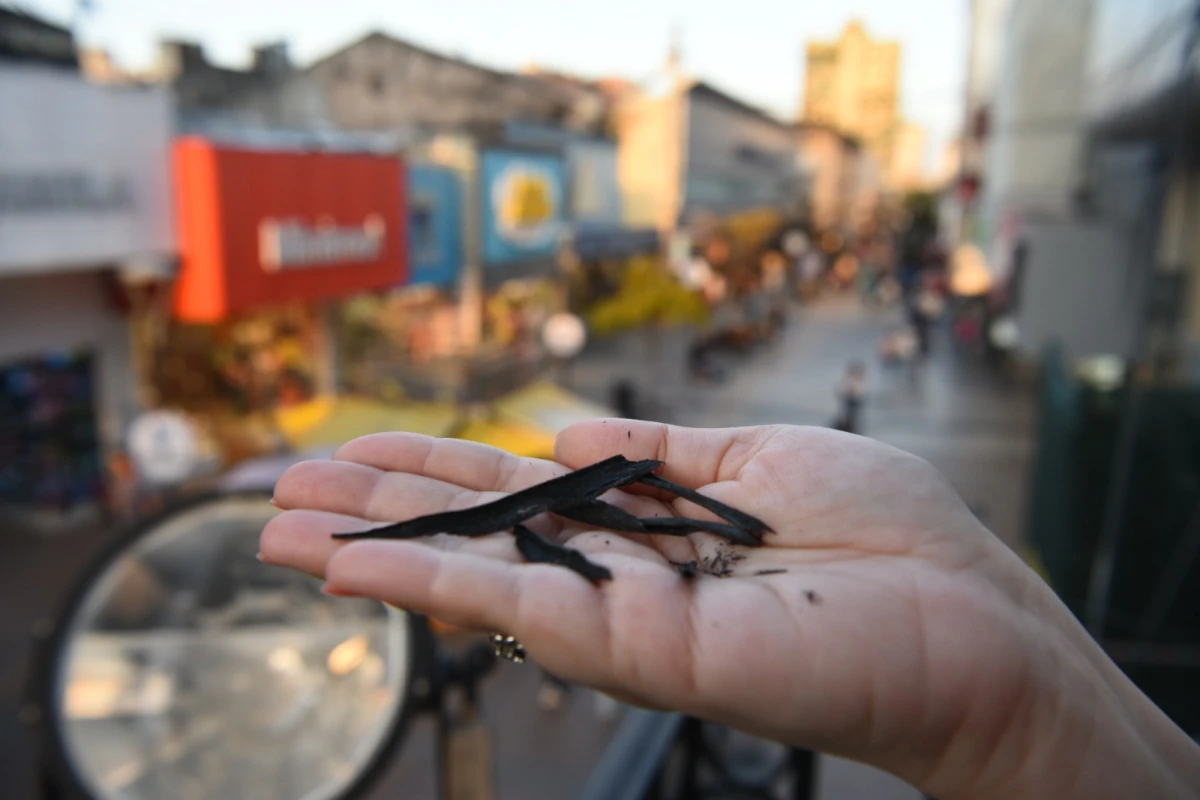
(543, 551)
(686, 570)
(741, 519)
(602, 515)
(720, 564)
(770, 572)
(812, 597)
(606, 515)
(575, 496)
(680, 526)
(564, 491)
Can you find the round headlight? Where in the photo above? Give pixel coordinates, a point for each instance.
(185, 668)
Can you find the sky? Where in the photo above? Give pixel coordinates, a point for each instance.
(750, 48)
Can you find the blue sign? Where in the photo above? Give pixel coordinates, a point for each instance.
(435, 235)
(524, 198)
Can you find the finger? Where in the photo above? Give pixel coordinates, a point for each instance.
(595, 634)
(358, 490)
(303, 540)
(459, 588)
(468, 464)
(347, 488)
(691, 456)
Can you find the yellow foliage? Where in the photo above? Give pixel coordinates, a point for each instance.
(648, 294)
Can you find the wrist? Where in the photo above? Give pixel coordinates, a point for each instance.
(1081, 730)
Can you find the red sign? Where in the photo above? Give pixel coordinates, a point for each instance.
(264, 228)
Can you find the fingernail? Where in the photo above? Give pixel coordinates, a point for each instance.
(332, 592)
(261, 558)
(272, 502)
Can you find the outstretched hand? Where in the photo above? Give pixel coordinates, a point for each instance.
(879, 621)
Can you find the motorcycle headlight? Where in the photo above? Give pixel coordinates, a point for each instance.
(185, 668)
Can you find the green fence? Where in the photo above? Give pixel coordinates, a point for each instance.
(1154, 593)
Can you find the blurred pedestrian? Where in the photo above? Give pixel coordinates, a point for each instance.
(851, 392)
(924, 308)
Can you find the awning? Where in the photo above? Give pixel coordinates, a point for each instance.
(548, 407)
(517, 439)
(333, 421)
(527, 421)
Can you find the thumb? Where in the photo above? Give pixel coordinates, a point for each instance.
(692, 456)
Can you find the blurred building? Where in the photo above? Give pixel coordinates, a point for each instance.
(689, 149)
(949, 164)
(853, 84)
(1142, 173)
(908, 173)
(1088, 183)
(832, 161)
(28, 39)
(377, 83)
(989, 21)
(1035, 153)
(85, 226)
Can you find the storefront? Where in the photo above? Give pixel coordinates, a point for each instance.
(387, 341)
(270, 241)
(618, 274)
(524, 218)
(84, 209)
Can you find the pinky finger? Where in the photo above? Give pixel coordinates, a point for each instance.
(558, 616)
(460, 588)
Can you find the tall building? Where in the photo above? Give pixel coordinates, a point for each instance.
(907, 171)
(853, 84)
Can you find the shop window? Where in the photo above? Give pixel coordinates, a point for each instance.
(49, 444)
(252, 364)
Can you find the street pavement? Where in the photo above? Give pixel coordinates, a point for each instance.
(974, 426)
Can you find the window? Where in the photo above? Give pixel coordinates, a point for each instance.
(377, 83)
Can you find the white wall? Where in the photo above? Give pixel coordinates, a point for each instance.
(71, 311)
(717, 179)
(64, 143)
(1079, 291)
(1034, 161)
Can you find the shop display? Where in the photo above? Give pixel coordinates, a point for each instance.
(50, 455)
(251, 364)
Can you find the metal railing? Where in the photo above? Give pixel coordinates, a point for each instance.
(664, 756)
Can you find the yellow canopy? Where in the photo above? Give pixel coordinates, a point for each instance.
(548, 407)
(524, 422)
(331, 421)
(527, 421)
(513, 437)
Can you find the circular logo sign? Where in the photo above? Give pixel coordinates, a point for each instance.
(526, 201)
(164, 447)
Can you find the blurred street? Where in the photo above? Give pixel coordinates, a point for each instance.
(235, 236)
(973, 426)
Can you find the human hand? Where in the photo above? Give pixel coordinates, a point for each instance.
(880, 621)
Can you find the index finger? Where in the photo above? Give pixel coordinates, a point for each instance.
(468, 464)
(691, 456)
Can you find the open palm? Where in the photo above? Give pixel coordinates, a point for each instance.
(878, 621)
